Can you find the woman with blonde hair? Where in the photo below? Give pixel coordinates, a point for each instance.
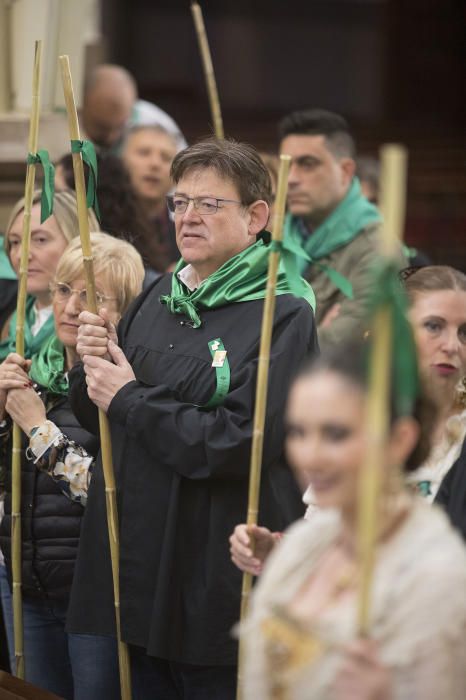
(56, 470)
(48, 241)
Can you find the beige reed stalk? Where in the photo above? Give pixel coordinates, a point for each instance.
(208, 70)
(393, 202)
(20, 319)
(261, 388)
(105, 439)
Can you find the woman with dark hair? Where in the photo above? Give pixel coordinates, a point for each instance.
(300, 636)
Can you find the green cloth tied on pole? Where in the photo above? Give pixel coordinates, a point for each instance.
(388, 292)
(48, 185)
(345, 222)
(242, 278)
(87, 150)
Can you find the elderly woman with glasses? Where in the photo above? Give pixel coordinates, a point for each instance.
(56, 467)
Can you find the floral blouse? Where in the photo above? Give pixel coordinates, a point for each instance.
(66, 462)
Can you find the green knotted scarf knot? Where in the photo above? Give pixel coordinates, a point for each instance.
(242, 278)
(182, 304)
(87, 150)
(346, 221)
(48, 367)
(388, 292)
(48, 186)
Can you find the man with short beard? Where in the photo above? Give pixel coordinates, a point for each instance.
(330, 219)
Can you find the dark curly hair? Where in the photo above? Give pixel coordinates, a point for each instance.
(350, 362)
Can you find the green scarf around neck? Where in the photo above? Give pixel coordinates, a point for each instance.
(32, 343)
(242, 278)
(345, 222)
(48, 367)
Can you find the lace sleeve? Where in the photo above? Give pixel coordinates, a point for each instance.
(66, 462)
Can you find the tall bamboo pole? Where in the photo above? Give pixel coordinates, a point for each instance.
(393, 197)
(20, 318)
(262, 387)
(105, 439)
(208, 70)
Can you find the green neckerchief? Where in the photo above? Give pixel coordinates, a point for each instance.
(242, 278)
(6, 271)
(48, 367)
(345, 222)
(32, 343)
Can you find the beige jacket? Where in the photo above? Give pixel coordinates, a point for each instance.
(353, 261)
(418, 613)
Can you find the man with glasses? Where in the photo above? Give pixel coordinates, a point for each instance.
(178, 386)
(333, 222)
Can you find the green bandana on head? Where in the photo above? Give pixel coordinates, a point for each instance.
(48, 367)
(345, 222)
(242, 278)
(32, 343)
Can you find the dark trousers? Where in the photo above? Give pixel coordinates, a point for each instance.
(157, 679)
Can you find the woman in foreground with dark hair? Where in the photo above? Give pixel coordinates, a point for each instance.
(300, 637)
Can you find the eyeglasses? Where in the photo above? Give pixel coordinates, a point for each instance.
(63, 292)
(203, 205)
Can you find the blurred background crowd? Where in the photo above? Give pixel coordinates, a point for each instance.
(395, 70)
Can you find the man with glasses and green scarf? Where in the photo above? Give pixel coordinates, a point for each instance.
(335, 225)
(178, 386)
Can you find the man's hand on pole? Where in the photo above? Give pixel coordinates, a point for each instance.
(104, 379)
(95, 330)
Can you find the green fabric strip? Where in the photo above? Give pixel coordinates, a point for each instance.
(242, 278)
(6, 271)
(48, 185)
(48, 367)
(346, 221)
(32, 343)
(87, 150)
(387, 291)
(222, 371)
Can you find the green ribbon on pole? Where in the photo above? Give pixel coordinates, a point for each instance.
(48, 185)
(388, 292)
(87, 150)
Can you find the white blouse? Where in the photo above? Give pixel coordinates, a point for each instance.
(418, 613)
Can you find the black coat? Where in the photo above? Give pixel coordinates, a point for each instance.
(452, 492)
(50, 522)
(182, 475)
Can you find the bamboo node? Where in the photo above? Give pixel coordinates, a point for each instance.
(17, 584)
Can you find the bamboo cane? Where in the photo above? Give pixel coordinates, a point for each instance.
(20, 319)
(208, 70)
(262, 387)
(105, 439)
(393, 194)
